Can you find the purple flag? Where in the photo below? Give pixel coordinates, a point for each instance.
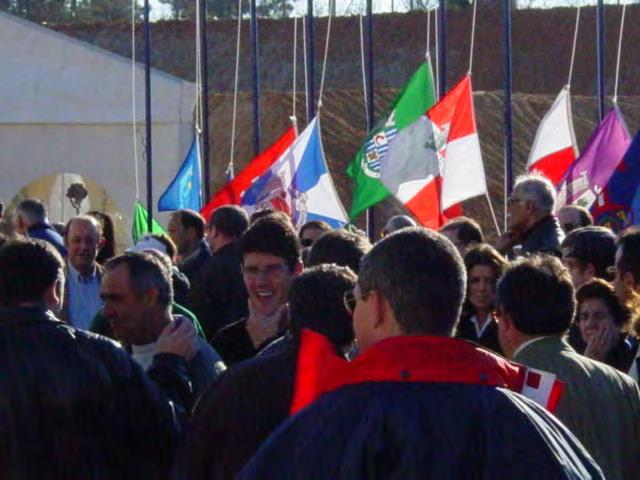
(591, 171)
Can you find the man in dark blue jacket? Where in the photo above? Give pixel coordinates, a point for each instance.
(74, 404)
(415, 403)
(30, 219)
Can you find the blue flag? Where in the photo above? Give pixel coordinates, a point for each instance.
(618, 204)
(299, 184)
(184, 189)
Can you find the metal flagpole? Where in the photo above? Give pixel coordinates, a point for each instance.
(256, 79)
(147, 103)
(442, 47)
(600, 56)
(204, 100)
(371, 221)
(311, 94)
(508, 133)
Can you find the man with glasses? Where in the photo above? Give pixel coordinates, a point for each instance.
(270, 252)
(414, 403)
(531, 221)
(574, 216)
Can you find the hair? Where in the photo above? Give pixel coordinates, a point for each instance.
(595, 245)
(109, 248)
(28, 267)
(260, 213)
(315, 225)
(397, 222)
(421, 275)
(629, 260)
(83, 218)
(272, 237)
(538, 189)
(467, 230)
(275, 215)
(32, 210)
(485, 255)
(191, 219)
(602, 290)
(167, 242)
(316, 303)
(340, 247)
(584, 215)
(146, 271)
(537, 293)
(230, 220)
(1, 208)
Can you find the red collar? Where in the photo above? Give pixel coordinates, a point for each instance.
(399, 359)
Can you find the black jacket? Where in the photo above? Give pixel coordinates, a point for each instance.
(75, 405)
(545, 237)
(218, 296)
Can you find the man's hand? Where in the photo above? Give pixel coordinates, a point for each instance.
(600, 344)
(506, 241)
(264, 327)
(178, 337)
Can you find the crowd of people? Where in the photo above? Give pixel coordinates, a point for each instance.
(238, 347)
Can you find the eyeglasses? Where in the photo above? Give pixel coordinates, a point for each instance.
(350, 301)
(268, 271)
(306, 242)
(512, 200)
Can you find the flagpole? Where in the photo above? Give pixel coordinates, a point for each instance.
(508, 118)
(147, 102)
(204, 99)
(256, 79)
(371, 218)
(311, 94)
(442, 45)
(600, 57)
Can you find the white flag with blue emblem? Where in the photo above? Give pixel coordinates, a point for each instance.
(299, 184)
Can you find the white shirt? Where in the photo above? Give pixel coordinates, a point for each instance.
(480, 330)
(143, 354)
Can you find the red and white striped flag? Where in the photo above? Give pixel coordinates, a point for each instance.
(554, 147)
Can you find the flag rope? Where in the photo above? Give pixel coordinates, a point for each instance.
(573, 49)
(199, 110)
(133, 97)
(326, 55)
(235, 92)
(493, 213)
(428, 32)
(615, 90)
(306, 72)
(295, 64)
(473, 34)
(437, 76)
(364, 74)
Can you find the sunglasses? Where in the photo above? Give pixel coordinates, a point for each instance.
(349, 300)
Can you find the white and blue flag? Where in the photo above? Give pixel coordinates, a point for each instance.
(299, 184)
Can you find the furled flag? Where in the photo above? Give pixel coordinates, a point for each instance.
(554, 147)
(140, 220)
(435, 163)
(299, 184)
(618, 205)
(231, 192)
(415, 99)
(589, 174)
(184, 189)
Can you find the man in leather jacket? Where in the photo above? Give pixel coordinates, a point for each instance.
(74, 404)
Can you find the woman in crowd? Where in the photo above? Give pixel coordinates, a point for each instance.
(477, 323)
(604, 325)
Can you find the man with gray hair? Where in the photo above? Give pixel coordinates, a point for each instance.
(137, 293)
(396, 223)
(531, 221)
(30, 219)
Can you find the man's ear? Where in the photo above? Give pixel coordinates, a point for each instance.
(150, 297)
(629, 280)
(590, 270)
(54, 295)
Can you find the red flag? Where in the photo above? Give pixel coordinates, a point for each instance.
(231, 192)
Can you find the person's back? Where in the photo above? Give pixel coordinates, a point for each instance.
(600, 405)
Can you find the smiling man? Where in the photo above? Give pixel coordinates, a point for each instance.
(82, 301)
(270, 252)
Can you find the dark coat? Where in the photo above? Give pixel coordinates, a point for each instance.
(238, 412)
(191, 265)
(396, 430)
(218, 296)
(75, 405)
(545, 237)
(467, 331)
(46, 232)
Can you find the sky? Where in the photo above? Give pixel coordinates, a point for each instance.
(159, 10)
